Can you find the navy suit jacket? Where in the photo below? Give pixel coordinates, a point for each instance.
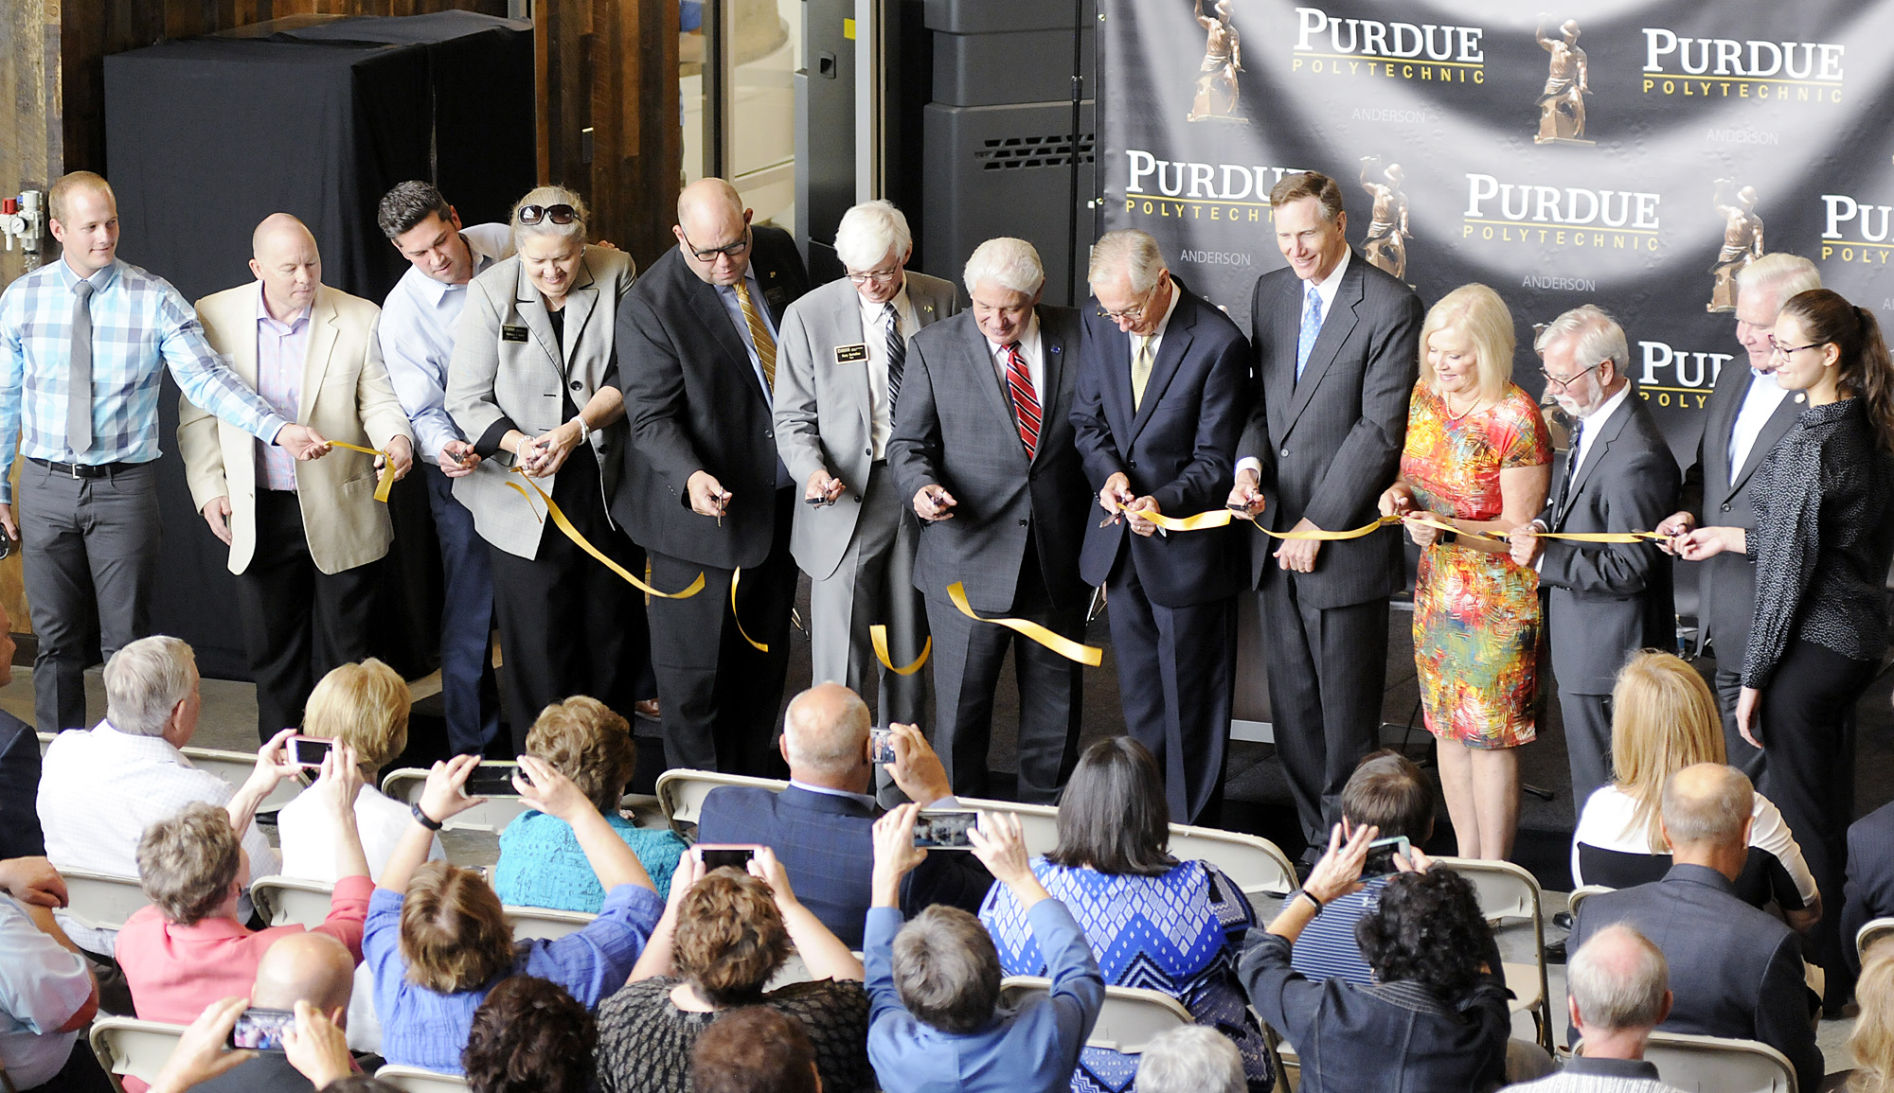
(1735, 971)
(1178, 447)
(1869, 892)
(827, 845)
(19, 788)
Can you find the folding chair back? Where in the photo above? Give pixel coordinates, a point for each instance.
(412, 1079)
(126, 1045)
(1130, 1018)
(1506, 891)
(681, 792)
(405, 785)
(285, 900)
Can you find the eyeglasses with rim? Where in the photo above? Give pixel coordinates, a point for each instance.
(1787, 351)
(878, 276)
(1133, 314)
(728, 250)
(1562, 384)
(558, 214)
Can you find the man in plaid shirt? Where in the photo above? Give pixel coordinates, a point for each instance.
(88, 487)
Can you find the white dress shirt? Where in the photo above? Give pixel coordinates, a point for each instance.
(98, 791)
(1029, 352)
(42, 984)
(417, 338)
(875, 339)
(308, 836)
(1156, 337)
(1760, 401)
(1327, 288)
(1594, 428)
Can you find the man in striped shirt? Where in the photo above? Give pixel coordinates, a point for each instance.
(87, 510)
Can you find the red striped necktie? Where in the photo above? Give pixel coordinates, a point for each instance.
(1025, 403)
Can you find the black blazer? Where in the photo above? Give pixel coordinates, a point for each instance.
(1869, 891)
(1331, 443)
(1178, 446)
(1608, 601)
(956, 428)
(692, 402)
(19, 790)
(1727, 582)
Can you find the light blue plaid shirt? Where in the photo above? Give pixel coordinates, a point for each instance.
(139, 324)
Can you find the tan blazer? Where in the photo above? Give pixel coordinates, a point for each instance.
(509, 364)
(345, 396)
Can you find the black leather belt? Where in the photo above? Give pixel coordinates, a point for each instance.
(84, 470)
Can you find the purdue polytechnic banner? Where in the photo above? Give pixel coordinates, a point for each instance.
(1633, 155)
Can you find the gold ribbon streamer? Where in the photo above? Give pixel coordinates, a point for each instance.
(735, 576)
(559, 521)
(387, 480)
(1217, 518)
(879, 635)
(1606, 536)
(1088, 655)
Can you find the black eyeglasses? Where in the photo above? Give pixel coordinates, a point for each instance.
(1553, 381)
(729, 250)
(1787, 351)
(558, 214)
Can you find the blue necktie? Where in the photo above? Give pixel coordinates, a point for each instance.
(1311, 326)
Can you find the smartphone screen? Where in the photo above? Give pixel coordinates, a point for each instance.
(308, 751)
(1381, 855)
(884, 745)
(261, 1029)
(495, 779)
(944, 830)
(718, 855)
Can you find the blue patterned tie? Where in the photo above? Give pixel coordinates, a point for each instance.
(1311, 326)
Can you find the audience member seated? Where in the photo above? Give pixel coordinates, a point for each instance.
(821, 827)
(438, 940)
(1436, 1015)
(723, 936)
(189, 948)
(365, 706)
(754, 1049)
(934, 983)
(20, 835)
(1191, 1060)
(1388, 793)
(47, 993)
(1619, 991)
(541, 864)
(101, 788)
(310, 968)
(1663, 719)
(1152, 921)
(1869, 891)
(530, 1036)
(1736, 971)
(312, 1045)
(1871, 1044)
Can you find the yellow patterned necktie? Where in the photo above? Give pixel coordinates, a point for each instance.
(1140, 370)
(759, 335)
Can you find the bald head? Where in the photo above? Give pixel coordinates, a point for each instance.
(825, 737)
(1706, 807)
(305, 967)
(284, 258)
(711, 218)
(1619, 980)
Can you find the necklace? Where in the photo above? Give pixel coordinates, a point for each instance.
(1446, 402)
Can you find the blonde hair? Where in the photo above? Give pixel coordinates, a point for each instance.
(1663, 719)
(1479, 313)
(365, 706)
(1871, 1044)
(585, 741)
(187, 863)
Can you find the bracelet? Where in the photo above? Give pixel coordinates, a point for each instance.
(422, 819)
(585, 431)
(1303, 892)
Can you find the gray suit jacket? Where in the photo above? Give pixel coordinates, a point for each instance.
(956, 428)
(1331, 442)
(823, 414)
(1608, 601)
(509, 366)
(1727, 582)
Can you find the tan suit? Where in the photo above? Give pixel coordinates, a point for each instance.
(345, 396)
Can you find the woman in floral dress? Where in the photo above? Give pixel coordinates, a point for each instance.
(1478, 461)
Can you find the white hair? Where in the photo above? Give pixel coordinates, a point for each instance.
(1618, 978)
(1192, 1059)
(869, 231)
(144, 680)
(1130, 252)
(1010, 263)
(1783, 275)
(544, 196)
(1596, 336)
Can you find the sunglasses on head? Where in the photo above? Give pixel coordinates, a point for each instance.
(558, 214)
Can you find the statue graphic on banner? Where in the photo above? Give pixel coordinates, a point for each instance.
(1386, 244)
(1222, 60)
(1567, 82)
(1742, 241)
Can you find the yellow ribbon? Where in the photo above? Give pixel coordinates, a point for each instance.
(736, 575)
(1217, 518)
(1606, 536)
(387, 480)
(559, 521)
(879, 635)
(1088, 655)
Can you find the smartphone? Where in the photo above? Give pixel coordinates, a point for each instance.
(1381, 855)
(884, 745)
(308, 751)
(260, 1029)
(494, 778)
(944, 830)
(718, 855)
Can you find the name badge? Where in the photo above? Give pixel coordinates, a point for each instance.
(512, 333)
(848, 354)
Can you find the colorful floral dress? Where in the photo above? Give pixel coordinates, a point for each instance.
(1476, 615)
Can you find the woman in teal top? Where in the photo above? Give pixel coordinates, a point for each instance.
(541, 864)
